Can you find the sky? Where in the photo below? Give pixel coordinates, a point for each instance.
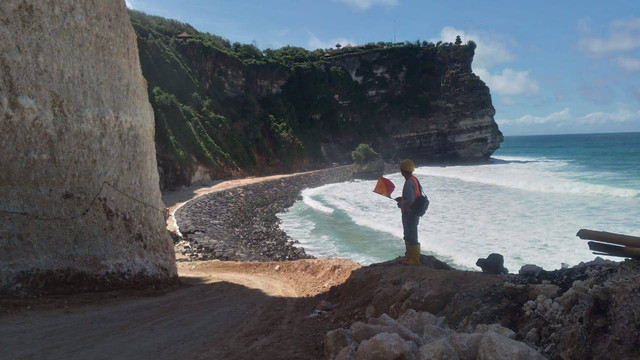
(553, 67)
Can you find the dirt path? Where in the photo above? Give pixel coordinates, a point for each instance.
(228, 311)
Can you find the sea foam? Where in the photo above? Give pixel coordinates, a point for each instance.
(527, 209)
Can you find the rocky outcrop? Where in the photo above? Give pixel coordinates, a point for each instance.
(371, 169)
(303, 109)
(421, 335)
(76, 125)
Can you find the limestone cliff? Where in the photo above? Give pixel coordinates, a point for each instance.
(75, 114)
(231, 107)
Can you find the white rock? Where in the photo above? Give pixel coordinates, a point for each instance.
(386, 346)
(494, 346)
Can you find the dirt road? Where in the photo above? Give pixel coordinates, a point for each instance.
(227, 311)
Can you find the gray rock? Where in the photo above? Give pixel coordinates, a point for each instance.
(493, 264)
(347, 353)
(394, 326)
(495, 346)
(530, 270)
(432, 332)
(440, 349)
(415, 321)
(370, 170)
(466, 345)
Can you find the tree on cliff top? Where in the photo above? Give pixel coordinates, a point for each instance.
(363, 154)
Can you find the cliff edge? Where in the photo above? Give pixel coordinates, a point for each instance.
(76, 125)
(224, 109)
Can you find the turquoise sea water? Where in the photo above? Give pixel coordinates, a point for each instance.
(526, 204)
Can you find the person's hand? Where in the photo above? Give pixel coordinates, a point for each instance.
(398, 199)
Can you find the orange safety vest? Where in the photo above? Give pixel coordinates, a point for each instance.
(417, 194)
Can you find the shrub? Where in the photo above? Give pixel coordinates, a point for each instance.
(363, 153)
(471, 44)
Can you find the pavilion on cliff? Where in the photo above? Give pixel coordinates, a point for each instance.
(183, 36)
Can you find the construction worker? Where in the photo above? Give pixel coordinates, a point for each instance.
(410, 192)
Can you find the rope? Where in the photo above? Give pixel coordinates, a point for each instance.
(83, 213)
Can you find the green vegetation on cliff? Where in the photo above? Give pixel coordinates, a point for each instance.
(231, 107)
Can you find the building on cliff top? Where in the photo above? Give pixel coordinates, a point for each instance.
(183, 36)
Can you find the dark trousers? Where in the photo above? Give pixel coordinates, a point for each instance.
(410, 227)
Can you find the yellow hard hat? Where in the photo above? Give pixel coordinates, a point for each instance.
(407, 165)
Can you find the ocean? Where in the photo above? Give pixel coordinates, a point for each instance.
(527, 204)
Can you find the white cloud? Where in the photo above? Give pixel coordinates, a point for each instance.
(601, 117)
(315, 43)
(628, 63)
(129, 4)
(563, 117)
(624, 35)
(510, 82)
(366, 4)
(493, 50)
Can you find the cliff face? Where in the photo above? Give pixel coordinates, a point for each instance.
(74, 114)
(225, 109)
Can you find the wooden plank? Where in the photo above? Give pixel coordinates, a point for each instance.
(596, 246)
(605, 254)
(633, 251)
(627, 240)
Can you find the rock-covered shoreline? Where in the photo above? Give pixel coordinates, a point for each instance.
(240, 224)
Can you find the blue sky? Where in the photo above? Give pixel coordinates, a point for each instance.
(554, 67)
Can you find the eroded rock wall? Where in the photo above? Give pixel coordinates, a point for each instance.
(74, 114)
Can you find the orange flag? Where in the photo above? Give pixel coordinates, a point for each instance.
(384, 187)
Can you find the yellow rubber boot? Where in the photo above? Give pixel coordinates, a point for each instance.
(413, 255)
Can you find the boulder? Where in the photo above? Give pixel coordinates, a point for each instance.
(396, 327)
(466, 345)
(348, 353)
(372, 169)
(495, 346)
(440, 349)
(530, 270)
(335, 341)
(361, 331)
(415, 321)
(493, 264)
(432, 332)
(386, 346)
